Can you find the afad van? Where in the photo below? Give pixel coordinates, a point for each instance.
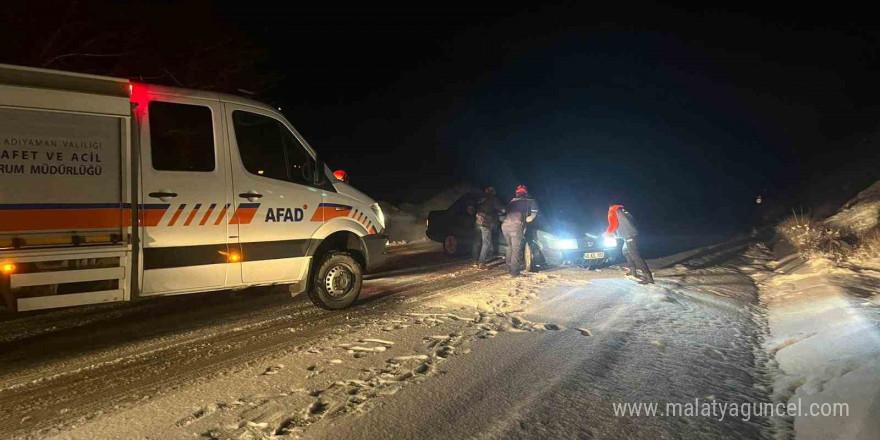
(115, 191)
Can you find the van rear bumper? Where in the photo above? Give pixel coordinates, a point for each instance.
(375, 246)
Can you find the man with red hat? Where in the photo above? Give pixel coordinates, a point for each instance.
(520, 211)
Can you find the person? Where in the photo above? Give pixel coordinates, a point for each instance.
(488, 210)
(621, 223)
(521, 210)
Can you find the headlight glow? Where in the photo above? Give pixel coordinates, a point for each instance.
(565, 244)
(609, 242)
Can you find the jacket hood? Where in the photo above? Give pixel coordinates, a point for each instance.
(612, 219)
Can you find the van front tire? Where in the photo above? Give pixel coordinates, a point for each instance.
(337, 281)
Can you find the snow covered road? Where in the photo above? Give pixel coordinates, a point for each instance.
(644, 345)
(434, 349)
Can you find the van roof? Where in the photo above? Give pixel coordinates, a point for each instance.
(201, 94)
(105, 85)
(59, 80)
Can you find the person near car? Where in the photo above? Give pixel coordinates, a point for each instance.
(521, 211)
(622, 224)
(489, 209)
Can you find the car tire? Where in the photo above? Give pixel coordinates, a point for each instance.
(450, 245)
(337, 281)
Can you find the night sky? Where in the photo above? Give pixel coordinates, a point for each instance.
(681, 113)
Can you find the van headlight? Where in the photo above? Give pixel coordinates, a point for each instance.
(379, 215)
(609, 242)
(565, 244)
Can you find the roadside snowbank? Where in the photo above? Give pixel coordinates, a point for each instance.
(825, 339)
(860, 214)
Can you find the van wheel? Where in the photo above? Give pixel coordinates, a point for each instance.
(337, 281)
(450, 245)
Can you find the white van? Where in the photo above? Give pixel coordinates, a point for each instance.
(113, 191)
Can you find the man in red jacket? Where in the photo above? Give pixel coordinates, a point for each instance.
(621, 223)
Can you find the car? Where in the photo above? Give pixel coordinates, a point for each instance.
(455, 228)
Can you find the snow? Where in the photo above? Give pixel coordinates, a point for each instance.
(824, 340)
(860, 214)
(438, 349)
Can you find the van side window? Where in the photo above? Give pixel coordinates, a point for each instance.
(181, 137)
(300, 162)
(270, 150)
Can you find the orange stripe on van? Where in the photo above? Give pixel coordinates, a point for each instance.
(208, 214)
(222, 215)
(328, 211)
(48, 219)
(192, 214)
(244, 214)
(148, 216)
(177, 214)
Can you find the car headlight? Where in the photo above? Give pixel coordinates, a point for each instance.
(609, 242)
(565, 244)
(379, 214)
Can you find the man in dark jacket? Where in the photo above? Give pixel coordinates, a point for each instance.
(621, 223)
(488, 210)
(520, 211)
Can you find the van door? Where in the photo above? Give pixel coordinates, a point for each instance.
(185, 195)
(277, 209)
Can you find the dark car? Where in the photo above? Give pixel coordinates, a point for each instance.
(455, 228)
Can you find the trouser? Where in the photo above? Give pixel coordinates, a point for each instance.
(635, 260)
(515, 257)
(484, 244)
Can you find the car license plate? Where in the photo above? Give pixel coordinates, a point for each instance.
(594, 255)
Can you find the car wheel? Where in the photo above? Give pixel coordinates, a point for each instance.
(450, 245)
(337, 282)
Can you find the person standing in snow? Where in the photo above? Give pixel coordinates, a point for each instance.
(621, 224)
(521, 210)
(488, 210)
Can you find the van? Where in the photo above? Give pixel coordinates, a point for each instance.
(112, 190)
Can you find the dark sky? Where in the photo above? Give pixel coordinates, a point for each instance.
(669, 110)
(682, 113)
